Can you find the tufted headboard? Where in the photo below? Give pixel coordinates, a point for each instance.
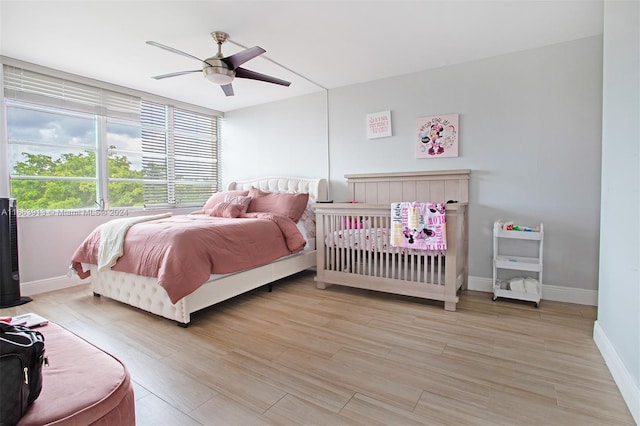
(317, 188)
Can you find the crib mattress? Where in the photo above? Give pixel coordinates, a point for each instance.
(371, 239)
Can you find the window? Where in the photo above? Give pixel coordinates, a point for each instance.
(75, 146)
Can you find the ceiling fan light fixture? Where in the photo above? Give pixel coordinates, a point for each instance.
(219, 75)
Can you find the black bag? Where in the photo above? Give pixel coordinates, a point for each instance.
(21, 359)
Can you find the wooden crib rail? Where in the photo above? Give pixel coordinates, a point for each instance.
(384, 188)
(353, 250)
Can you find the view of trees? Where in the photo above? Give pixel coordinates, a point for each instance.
(69, 194)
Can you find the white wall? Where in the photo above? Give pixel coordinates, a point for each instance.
(617, 331)
(530, 131)
(284, 138)
(45, 244)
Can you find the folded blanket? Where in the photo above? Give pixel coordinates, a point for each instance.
(112, 236)
(418, 225)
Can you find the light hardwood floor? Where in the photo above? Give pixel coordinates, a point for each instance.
(300, 355)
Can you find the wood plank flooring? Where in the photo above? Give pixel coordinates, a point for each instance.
(341, 356)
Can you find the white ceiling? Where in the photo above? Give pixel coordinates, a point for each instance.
(329, 43)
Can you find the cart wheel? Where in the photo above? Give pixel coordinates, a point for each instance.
(494, 298)
(537, 304)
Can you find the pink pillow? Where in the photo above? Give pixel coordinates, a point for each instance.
(219, 197)
(285, 204)
(227, 209)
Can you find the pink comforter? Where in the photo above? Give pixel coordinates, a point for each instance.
(183, 251)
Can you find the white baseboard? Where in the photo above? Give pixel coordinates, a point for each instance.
(549, 292)
(628, 388)
(50, 284)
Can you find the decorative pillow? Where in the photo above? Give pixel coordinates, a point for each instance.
(286, 204)
(227, 209)
(308, 220)
(239, 199)
(219, 197)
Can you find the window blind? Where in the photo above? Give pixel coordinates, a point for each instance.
(195, 156)
(153, 119)
(179, 155)
(29, 86)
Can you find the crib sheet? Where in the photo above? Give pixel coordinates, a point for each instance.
(371, 239)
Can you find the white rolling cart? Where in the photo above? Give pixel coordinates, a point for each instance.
(502, 260)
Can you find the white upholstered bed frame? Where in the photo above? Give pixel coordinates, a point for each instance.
(145, 293)
(418, 273)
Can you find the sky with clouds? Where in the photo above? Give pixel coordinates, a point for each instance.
(56, 133)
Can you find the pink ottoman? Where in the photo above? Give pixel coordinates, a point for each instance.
(82, 385)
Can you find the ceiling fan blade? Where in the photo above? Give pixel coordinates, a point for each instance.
(227, 89)
(237, 59)
(174, 74)
(171, 49)
(245, 73)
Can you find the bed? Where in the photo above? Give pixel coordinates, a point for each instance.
(147, 292)
(354, 239)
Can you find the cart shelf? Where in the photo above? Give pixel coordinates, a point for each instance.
(518, 263)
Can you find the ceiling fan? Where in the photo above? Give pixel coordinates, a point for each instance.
(220, 69)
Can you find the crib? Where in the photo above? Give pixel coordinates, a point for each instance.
(353, 246)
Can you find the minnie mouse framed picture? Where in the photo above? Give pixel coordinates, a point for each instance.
(437, 136)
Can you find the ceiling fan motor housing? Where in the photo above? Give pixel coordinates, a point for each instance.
(217, 71)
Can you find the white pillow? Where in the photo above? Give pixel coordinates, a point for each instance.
(238, 199)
